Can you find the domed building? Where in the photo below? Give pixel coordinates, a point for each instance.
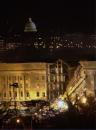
(30, 26)
(24, 77)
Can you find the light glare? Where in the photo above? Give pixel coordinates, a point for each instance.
(18, 120)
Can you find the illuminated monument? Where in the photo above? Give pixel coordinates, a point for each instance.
(30, 26)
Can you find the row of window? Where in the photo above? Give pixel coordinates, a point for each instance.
(14, 78)
(21, 94)
(19, 85)
(26, 85)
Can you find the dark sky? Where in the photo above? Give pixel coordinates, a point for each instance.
(66, 15)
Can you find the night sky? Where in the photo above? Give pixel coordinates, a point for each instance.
(65, 16)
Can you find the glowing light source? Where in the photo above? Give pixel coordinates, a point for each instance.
(18, 120)
(62, 105)
(84, 100)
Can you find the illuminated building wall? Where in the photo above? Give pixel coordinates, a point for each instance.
(31, 79)
(34, 81)
(57, 78)
(83, 82)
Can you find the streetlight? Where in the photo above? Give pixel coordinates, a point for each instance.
(19, 123)
(18, 120)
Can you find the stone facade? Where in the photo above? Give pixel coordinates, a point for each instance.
(35, 81)
(31, 79)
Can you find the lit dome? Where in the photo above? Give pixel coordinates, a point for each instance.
(30, 26)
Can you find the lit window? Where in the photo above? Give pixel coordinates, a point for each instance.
(27, 81)
(43, 94)
(15, 94)
(3, 79)
(21, 85)
(9, 77)
(37, 78)
(38, 94)
(10, 94)
(26, 84)
(21, 94)
(43, 77)
(14, 77)
(4, 94)
(37, 86)
(21, 78)
(18, 78)
(27, 77)
(4, 85)
(27, 94)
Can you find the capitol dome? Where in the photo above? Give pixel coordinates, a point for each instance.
(30, 26)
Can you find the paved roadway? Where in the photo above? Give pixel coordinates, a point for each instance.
(61, 121)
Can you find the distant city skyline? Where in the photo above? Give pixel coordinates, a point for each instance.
(33, 46)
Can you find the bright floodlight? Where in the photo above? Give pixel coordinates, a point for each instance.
(62, 105)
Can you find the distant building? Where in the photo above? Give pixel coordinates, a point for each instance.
(23, 44)
(31, 81)
(30, 26)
